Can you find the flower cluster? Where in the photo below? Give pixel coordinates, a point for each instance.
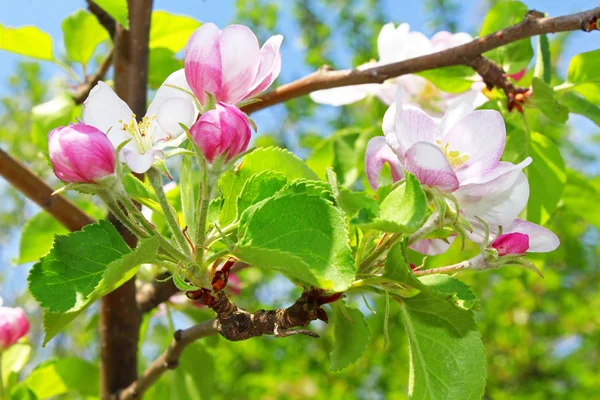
(221, 69)
(460, 155)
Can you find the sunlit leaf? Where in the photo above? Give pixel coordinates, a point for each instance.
(27, 40)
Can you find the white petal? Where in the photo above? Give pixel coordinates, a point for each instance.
(170, 114)
(139, 163)
(458, 108)
(378, 153)
(390, 42)
(497, 180)
(342, 95)
(433, 247)
(413, 125)
(498, 209)
(481, 135)
(103, 109)
(167, 91)
(541, 240)
(429, 164)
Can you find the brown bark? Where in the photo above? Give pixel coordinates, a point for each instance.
(119, 316)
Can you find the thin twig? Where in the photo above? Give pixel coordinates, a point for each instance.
(83, 90)
(532, 25)
(103, 17)
(151, 295)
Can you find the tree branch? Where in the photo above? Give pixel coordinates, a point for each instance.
(533, 24)
(151, 295)
(103, 17)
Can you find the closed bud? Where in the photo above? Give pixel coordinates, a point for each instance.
(223, 131)
(13, 326)
(81, 153)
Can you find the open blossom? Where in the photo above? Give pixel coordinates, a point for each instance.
(222, 131)
(80, 153)
(229, 64)
(160, 127)
(460, 153)
(517, 238)
(398, 44)
(13, 326)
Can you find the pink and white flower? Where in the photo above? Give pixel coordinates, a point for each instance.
(13, 326)
(229, 64)
(160, 128)
(398, 44)
(80, 153)
(517, 238)
(224, 130)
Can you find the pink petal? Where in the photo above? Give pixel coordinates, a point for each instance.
(518, 75)
(497, 180)
(480, 134)
(240, 59)
(432, 247)
(511, 244)
(413, 125)
(446, 40)
(270, 65)
(203, 62)
(378, 153)
(430, 166)
(541, 240)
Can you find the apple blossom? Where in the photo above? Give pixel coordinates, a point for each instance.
(517, 238)
(160, 127)
(229, 64)
(399, 44)
(224, 130)
(80, 153)
(13, 326)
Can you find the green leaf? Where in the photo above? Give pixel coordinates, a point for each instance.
(259, 187)
(547, 178)
(62, 376)
(140, 192)
(27, 40)
(543, 66)
(262, 159)
(460, 293)
(190, 381)
(13, 360)
(22, 392)
(359, 206)
(402, 211)
(82, 34)
(515, 56)
(171, 31)
(454, 79)
(351, 337)
(49, 115)
(161, 64)
(544, 99)
(578, 105)
(303, 236)
(584, 74)
(116, 9)
(582, 197)
(397, 269)
(189, 187)
(315, 188)
(447, 358)
(37, 236)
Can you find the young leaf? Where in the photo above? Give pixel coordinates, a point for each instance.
(447, 356)
(303, 236)
(455, 79)
(162, 62)
(27, 40)
(191, 382)
(259, 187)
(543, 66)
(37, 236)
(22, 392)
(171, 31)
(544, 99)
(460, 294)
(82, 34)
(514, 56)
(402, 211)
(351, 337)
(397, 268)
(578, 105)
(189, 185)
(263, 159)
(117, 9)
(584, 73)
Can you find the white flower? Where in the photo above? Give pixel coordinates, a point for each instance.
(158, 129)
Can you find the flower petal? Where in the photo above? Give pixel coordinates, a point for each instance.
(432, 247)
(390, 41)
(511, 244)
(500, 208)
(413, 125)
(103, 109)
(497, 180)
(342, 95)
(378, 153)
(203, 62)
(481, 135)
(445, 40)
(270, 65)
(430, 166)
(139, 163)
(458, 108)
(541, 240)
(240, 59)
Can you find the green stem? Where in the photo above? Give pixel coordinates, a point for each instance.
(156, 182)
(564, 86)
(368, 262)
(1, 380)
(116, 210)
(170, 318)
(429, 226)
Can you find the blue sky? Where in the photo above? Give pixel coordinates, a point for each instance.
(47, 15)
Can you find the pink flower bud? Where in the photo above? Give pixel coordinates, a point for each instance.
(222, 131)
(80, 153)
(13, 326)
(229, 63)
(511, 244)
(518, 75)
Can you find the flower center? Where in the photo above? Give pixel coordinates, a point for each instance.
(455, 157)
(141, 132)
